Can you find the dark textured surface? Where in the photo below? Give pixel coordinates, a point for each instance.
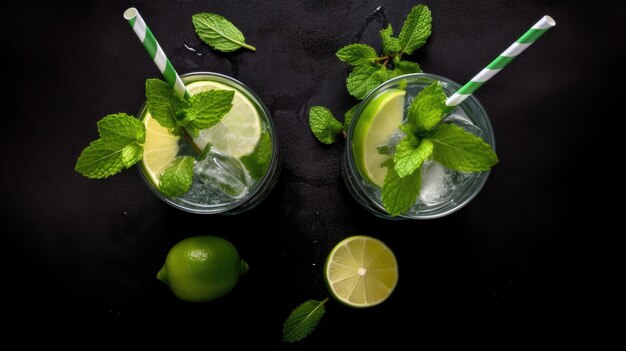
(78, 253)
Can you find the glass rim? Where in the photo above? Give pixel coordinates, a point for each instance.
(351, 164)
(262, 185)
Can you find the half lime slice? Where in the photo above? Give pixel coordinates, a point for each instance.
(380, 118)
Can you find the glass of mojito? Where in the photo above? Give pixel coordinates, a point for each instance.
(239, 164)
(373, 139)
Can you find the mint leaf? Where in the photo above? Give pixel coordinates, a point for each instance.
(259, 160)
(131, 154)
(175, 179)
(119, 147)
(405, 67)
(390, 43)
(411, 154)
(400, 193)
(303, 320)
(324, 125)
(416, 29)
(428, 108)
(365, 78)
(457, 149)
(357, 54)
(348, 117)
(102, 159)
(122, 128)
(206, 109)
(163, 103)
(219, 33)
(99, 160)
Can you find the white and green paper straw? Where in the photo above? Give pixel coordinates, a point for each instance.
(154, 50)
(534, 33)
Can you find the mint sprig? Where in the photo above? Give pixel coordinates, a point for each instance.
(369, 69)
(428, 137)
(120, 146)
(164, 104)
(206, 110)
(122, 136)
(219, 33)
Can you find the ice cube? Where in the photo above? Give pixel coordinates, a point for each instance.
(435, 184)
(223, 173)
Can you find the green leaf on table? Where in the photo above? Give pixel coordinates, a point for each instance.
(303, 320)
(163, 103)
(176, 178)
(259, 160)
(119, 147)
(400, 193)
(405, 67)
(391, 44)
(428, 108)
(416, 29)
(348, 117)
(206, 109)
(219, 33)
(365, 78)
(411, 154)
(324, 125)
(357, 54)
(459, 150)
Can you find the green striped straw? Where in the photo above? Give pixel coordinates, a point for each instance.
(154, 50)
(534, 33)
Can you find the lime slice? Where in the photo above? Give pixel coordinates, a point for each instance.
(159, 150)
(361, 271)
(239, 131)
(379, 120)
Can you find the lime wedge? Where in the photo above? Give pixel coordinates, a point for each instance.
(379, 120)
(239, 131)
(159, 150)
(361, 271)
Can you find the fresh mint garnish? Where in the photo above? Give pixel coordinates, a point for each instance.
(206, 109)
(303, 320)
(457, 149)
(416, 29)
(369, 69)
(201, 111)
(428, 137)
(357, 54)
(324, 125)
(258, 161)
(219, 33)
(390, 43)
(400, 193)
(405, 67)
(411, 154)
(428, 108)
(122, 136)
(164, 104)
(119, 147)
(365, 78)
(176, 178)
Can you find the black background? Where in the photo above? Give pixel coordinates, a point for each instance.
(80, 254)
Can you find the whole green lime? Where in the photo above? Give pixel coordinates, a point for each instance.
(202, 268)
